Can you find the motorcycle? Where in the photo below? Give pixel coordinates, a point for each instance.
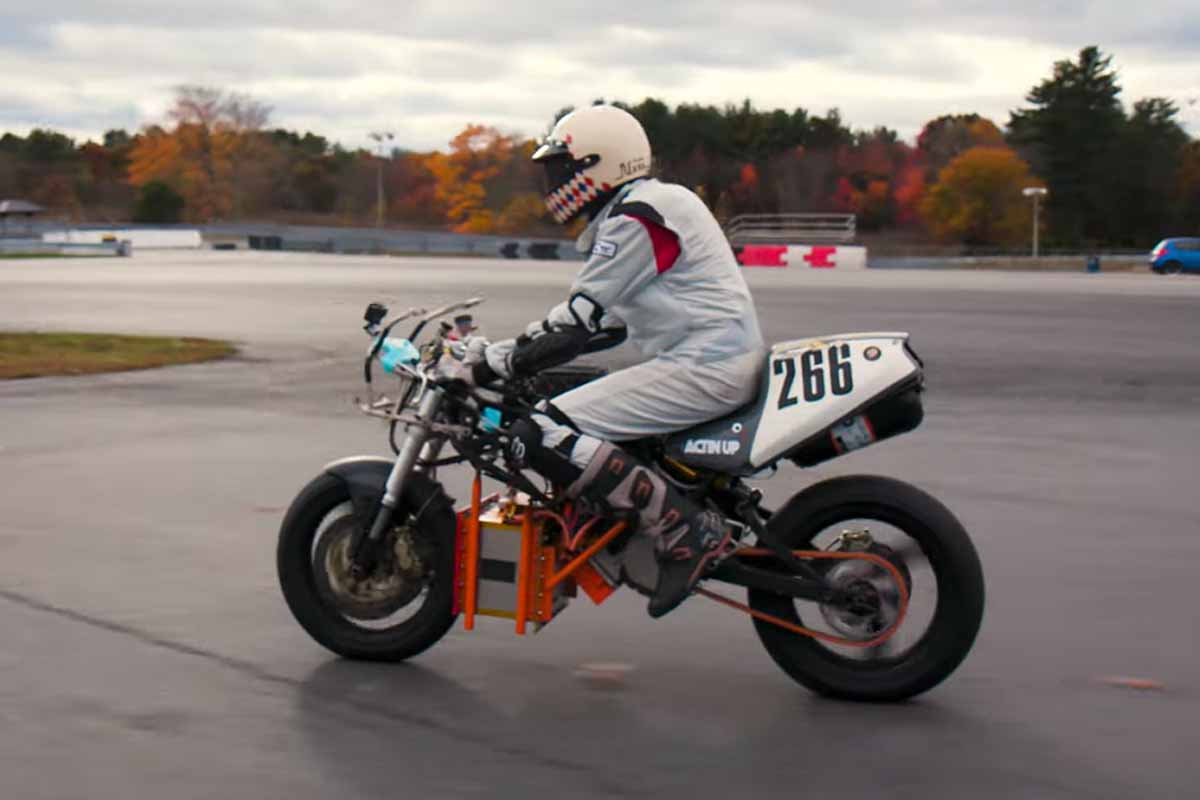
(859, 587)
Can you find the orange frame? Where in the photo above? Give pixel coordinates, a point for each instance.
(529, 576)
(581, 559)
(524, 578)
(470, 596)
(531, 579)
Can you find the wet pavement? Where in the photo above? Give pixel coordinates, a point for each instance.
(145, 649)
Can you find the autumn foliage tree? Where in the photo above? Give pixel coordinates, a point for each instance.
(476, 155)
(1115, 177)
(947, 137)
(978, 198)
(205, 155)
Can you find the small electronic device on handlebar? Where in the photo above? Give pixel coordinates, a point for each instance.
(374, 315)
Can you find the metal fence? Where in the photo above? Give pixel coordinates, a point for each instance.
(792, 229)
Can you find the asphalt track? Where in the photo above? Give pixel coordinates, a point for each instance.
(145, 650)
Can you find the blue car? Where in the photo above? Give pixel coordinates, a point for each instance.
(1175, 255)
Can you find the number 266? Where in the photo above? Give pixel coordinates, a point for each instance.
(813, 375)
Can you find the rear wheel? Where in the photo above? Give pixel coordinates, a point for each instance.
(403, 607)
(1171, 268)
(939, 564)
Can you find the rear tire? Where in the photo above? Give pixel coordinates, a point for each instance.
(315, 613)
(1171, 268)
(942, 540)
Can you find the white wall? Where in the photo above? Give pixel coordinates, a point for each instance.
(142, 239)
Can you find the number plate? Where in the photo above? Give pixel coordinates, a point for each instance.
(816, 385)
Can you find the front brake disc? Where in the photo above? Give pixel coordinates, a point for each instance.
(396, 581)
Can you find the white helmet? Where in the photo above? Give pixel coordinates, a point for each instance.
(588, 155)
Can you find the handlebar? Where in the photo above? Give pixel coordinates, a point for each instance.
(438, 312)
(377, 311)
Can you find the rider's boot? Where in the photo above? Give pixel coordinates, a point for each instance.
(689, 540)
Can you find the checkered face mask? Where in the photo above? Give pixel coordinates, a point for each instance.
(568, 189)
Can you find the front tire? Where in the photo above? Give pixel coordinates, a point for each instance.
(301, 556)
(1171, 268)
(940, 538)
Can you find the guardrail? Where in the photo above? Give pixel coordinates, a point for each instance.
(316, 238)
(1078, 262)
(792, 229)
(37, 247)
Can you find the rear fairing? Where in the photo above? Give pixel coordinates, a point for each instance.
(809, 388)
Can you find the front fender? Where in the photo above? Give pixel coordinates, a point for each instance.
(366, 477)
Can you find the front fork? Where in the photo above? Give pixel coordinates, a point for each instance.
(366, 551)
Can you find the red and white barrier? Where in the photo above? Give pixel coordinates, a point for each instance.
(805, 256)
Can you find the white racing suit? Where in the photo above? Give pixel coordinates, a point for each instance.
(660, 269)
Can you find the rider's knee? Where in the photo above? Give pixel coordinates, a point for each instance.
(531, 445)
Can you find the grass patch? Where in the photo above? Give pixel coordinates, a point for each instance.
(23, 256)
(33, 355)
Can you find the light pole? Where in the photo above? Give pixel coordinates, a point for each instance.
(1037, 193)
(379, 137)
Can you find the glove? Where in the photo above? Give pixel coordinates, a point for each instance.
(461, 359)
(475, 350)
(450, 370)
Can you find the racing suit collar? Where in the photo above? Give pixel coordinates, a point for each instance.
(588, 238)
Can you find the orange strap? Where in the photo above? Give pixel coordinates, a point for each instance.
(897, 578)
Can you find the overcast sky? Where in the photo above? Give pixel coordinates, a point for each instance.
(424, 69)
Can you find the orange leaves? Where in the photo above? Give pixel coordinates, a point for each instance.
(944, 138)
(744, 192)
(155, 156)
(412, 190)
(194, 160)
(909, 190)
(476, 156)
(984, 133)
(977, 198)
(214, 135)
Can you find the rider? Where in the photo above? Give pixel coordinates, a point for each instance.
(660, 271)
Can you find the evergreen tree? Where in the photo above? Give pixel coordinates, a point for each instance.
(1071, 136)
(1151, 149)
(158, 203)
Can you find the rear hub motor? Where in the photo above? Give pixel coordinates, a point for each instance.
(872, 600)
(396, 581)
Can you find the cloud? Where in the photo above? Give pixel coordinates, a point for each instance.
(424, 68)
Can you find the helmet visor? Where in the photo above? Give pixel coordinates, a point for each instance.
(549, 148)
(557, 171)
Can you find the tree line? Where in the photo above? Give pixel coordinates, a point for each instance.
(1115, 176)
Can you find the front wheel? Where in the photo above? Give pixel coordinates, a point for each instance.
(403, 607)
(922, 538)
